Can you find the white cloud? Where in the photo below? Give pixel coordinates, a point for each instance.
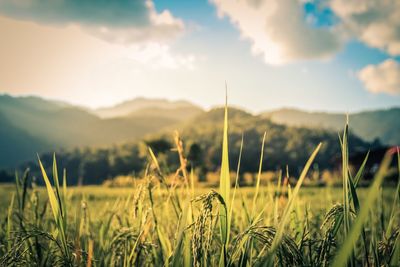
(160, 27)
(278, 30)
(382, 78)
(281, 32)
(124, 22)
(375, 22)
(160, 56)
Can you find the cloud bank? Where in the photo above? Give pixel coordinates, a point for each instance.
(374, 22)
(382, 78)
(123, 21)
(281, 32)
(278, 30)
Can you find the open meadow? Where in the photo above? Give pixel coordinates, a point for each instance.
(175, 223)
(317, 199)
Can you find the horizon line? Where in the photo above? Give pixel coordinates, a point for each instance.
(201, 106)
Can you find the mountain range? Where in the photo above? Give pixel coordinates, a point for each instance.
(30, 125)
(149, 106)
(201, 142)
(381, 124)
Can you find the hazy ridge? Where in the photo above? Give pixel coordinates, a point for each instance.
(31, 125)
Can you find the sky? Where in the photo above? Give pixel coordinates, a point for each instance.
(329, 55)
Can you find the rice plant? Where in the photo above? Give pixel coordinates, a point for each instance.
(164, 222)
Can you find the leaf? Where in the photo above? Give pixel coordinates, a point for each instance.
(237, 177)
(288, 210)
(155, 161)
(258, 176)
(9, 221)
(225, 184)
(347, 247)
(55, 204)
(360, 171)
(354, 196)
(182, 245)
(50, 192)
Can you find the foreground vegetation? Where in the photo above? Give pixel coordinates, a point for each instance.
(172, 223)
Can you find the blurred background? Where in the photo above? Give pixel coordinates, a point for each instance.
(100, 82)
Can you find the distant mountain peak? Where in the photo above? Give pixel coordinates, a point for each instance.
(369, 125)
(31, 101)
(128, 107)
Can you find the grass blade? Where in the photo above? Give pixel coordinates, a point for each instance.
(347, 247)
(9, 222)
(224, 190)
(55, 204)
(258, 175)
(288, 210)
(52, 196)
(237, 177)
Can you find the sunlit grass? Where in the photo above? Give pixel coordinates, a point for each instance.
(176, 224)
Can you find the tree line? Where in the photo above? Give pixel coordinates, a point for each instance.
(284, 146)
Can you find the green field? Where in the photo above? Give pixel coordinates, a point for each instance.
(91, 208)
(161, 222)
(318, 199)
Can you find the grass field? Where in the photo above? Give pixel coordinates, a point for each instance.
(318, 199)
(162, 224)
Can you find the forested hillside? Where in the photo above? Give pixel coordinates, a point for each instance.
(369, 125)
(202, 145)
(31, 125)
(97, 148)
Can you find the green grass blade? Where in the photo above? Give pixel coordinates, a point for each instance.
(187, 251)
(258, 176)
(60, 199)
(52, 196)
(55, 204)
(288, 210)
(237, 178)
(354, 196)
(225, 183)
(395, 200)
(353, 183)
(181, 247)
(18, 190)
(345, 175)
(10, 222)
(360, 170)
(395, 255)
(347, 247)
(154, 159)
(64, 197)
(224, 190)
